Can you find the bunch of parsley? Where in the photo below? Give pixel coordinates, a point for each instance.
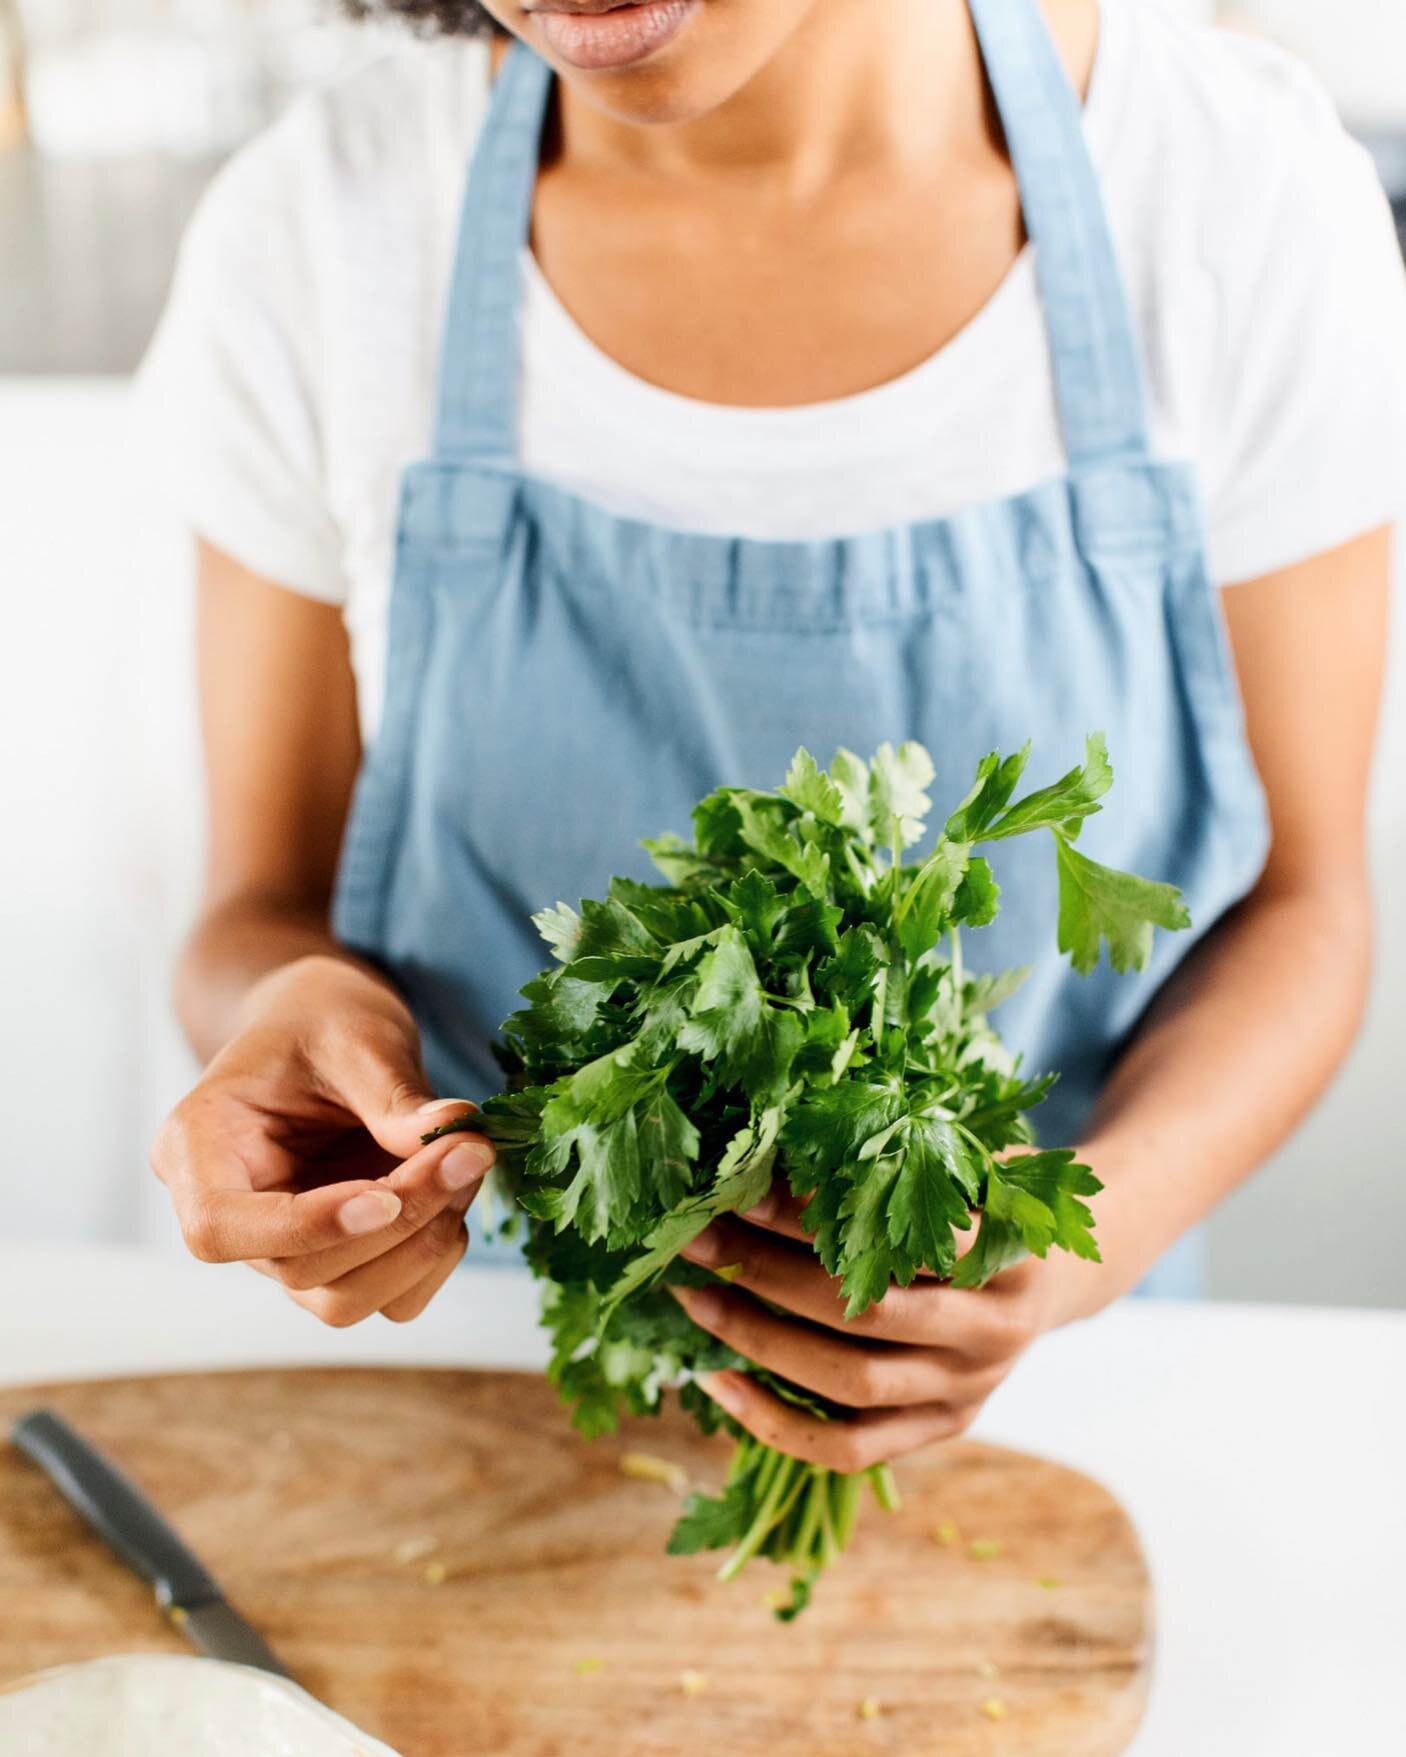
(792, 1003)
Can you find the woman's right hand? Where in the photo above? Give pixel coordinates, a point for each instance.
(300, 1152)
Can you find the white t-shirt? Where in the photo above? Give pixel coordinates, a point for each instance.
(293, 376)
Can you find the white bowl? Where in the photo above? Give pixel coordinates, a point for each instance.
(161, 1705)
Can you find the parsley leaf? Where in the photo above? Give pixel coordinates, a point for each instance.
(996, 780)
(1074, 797)
(1097, 904)
(561, 928)
(927, 905)
(1030, 1204)
(709, 1524)
(733, 1023)
(808, 786)
(744, 1177)
(612, 943)
(898, 799)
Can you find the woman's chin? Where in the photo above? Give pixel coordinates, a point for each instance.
(658, 62)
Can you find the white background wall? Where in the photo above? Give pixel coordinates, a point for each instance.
(99, 813)
(1358, 46)
(99, 803)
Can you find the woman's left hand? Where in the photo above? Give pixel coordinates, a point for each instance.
(915, 1368)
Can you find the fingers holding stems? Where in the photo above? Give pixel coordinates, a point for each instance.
(929, 1314)
(914, 1369)
(304, 1139)
(401, 1282)
(397, 1269)
(853, 1372)
(344, 1249)
(410, 1199)
(865, 1439)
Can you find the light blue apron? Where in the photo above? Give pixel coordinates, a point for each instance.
(563, 682)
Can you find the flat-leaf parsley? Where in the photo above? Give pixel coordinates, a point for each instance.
(792, 1003)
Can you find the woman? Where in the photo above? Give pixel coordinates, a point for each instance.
(856, 386)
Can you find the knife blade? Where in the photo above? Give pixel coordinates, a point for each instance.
(133, 1529)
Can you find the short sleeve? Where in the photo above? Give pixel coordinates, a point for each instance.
(225, 403)
(1305, 445)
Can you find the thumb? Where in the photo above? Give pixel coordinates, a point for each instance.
(379, 1077)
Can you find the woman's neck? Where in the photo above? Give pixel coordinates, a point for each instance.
(860, 83)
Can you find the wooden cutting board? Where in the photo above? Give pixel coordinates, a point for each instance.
(440, 1559)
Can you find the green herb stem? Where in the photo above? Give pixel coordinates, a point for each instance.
(885, 1488)
(779, 1473)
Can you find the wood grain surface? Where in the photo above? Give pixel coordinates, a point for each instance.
(440, 1559)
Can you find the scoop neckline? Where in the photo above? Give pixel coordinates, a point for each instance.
(625, 396)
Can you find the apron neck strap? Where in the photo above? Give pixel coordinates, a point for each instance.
(1097, 373)
(1095, 357)
(478, 381)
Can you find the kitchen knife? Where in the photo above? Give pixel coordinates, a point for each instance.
(129, 1524)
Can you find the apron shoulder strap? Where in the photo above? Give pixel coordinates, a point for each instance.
(478, 379)
(1096, 360)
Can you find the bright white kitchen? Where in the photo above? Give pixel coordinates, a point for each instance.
(1254, 1440)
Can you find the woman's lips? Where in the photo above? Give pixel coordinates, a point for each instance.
(613, 37)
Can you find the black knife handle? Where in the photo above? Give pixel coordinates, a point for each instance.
(116, 1509)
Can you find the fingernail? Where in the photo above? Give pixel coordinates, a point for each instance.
(766, 1210)
(437, 1104)
(722, 1391)
(702, 1304)
(467, 1164)
(707, 1248)
(369, 1212)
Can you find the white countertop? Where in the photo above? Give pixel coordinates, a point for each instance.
(1261, 1451)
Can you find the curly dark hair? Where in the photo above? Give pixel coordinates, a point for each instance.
(459, 18)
